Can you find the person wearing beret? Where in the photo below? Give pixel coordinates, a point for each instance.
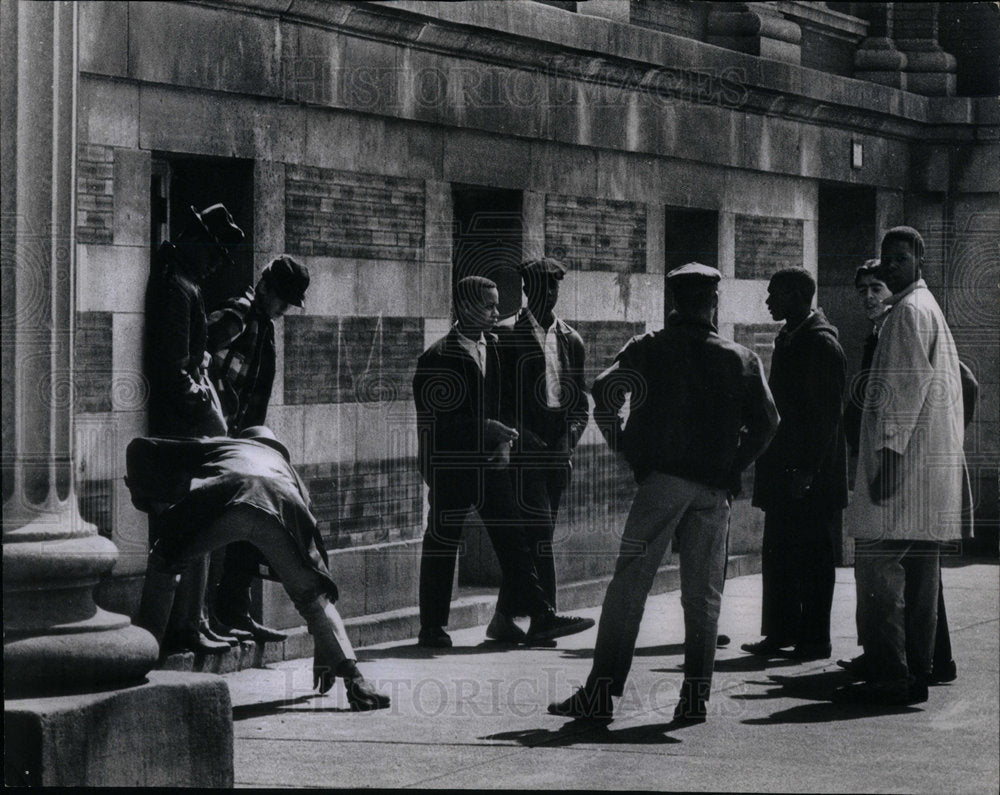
(241, 489)
(545, 388)
(183, 401)
(700, 412)
(801, 481)
(241, 341)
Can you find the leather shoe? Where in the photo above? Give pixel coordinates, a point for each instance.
(856, 666)
(259, 632)
(593, 703)
(433, 638)
(549, 626)
(768, 647)
(811, 651)
(721, 641)
(362, 695)
(220, 637)
(690, 711)
(897, 693)
(503, 629)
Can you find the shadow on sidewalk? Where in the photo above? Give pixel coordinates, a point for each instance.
(816, 688)
(580, 731)
(411, 651)
(265, 708)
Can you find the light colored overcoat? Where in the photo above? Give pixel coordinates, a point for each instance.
(913, 406)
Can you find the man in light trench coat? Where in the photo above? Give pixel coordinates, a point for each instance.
(908, 494)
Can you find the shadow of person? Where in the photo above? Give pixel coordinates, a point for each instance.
(411, 651)
(752, 662)
(827, 712)
(665, 650)
(815, 686)
(266, 708)
(582, 731)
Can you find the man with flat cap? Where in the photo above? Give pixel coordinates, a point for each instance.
(700, 412)
(241, 341)
(182, 400)
(545, 388)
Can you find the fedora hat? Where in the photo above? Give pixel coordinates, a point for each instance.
(218, 224)
(287, 278)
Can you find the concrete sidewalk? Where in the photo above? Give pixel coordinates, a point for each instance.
(474, 716)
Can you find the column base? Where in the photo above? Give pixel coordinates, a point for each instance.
(175, 730)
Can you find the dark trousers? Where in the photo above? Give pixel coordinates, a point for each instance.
(798, 567)
(942, 637)
(490, 493)
(240, 566)
(538, 487)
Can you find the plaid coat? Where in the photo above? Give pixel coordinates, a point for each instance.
(241, 341)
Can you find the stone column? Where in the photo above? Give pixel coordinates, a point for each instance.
(929, 69)
(756, 29)
(55, 636)
(877, 58)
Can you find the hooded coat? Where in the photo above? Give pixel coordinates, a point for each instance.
(807, 379)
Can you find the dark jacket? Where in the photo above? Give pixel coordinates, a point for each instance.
(699, 408)
(241, 341)
(455, 404)
(808, 374)
(180, 394)
(524, 384)
(200, 478)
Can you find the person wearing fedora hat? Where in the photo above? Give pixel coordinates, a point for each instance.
(241, 489)
(182, 398)
(241, 342)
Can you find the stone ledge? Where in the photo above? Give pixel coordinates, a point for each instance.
(174, 730)
(473, 607)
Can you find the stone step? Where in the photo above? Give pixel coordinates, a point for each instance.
(473, 606)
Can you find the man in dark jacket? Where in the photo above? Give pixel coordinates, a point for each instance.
(182, 400)
(700, 412)
(464, 436)
(801, 481)
(241, 341)
(544, 360)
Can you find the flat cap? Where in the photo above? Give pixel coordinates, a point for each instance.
(545, 265)
(288, 278)
(695, 270)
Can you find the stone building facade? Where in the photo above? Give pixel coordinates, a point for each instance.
(393, 147)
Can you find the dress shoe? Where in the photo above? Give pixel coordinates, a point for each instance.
(549, 626)
(258, 632)
(856, 666)
(811, 651)
(362, 695)
(768, 647)
(721, 641)
(593, 703)
(944, 672)
(896, 693)
(433, 638)
(196, 642)
(221, 629)
(504, 629)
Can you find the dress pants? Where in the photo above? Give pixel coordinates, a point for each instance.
(798, 567)
(696, 517)
(538, 486)
(490, 492)
(189, 597)
(898, 583)
(172, 553)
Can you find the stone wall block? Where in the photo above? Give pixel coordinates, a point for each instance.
(269, 207)
(131, 197)
(104, 38)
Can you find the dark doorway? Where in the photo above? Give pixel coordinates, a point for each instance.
(488, 240)
(846, 238)
(177, 184)
(690, 235)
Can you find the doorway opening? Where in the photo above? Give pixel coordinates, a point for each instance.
(690, 235)
(179, 182)
(488, 241)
